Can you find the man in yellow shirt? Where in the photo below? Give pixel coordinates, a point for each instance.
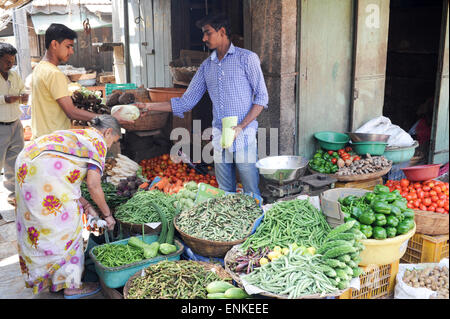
(52, 108)
(11, 130)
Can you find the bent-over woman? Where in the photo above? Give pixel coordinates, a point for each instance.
(49, 172)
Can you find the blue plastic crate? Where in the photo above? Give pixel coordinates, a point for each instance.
(117, 277)
(109, 87)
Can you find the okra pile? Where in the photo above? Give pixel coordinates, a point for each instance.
(223, 219)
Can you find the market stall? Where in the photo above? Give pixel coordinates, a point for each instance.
(333, 226)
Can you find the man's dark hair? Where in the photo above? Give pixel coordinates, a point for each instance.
(58, 32)
(217, 21)
(6, 48)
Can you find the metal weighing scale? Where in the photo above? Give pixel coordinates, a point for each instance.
(283, 178)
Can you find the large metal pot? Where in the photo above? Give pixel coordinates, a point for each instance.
(282, 169)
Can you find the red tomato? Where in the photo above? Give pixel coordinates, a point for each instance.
(426, 188)
(440, 210)
(417, 203)
(446, 206)
(437, 189)
(421, 194)
(404, 182)
(431, 209)
(341, 151)
(434, 198)
(348, 149)
(417, 185)
(427, 201)
(409, 197)
(423, 207)
(397, 187)
(334, 160)
(414, 196)
(433, 193)
(441, 203)
(431, 184)
(410, 205)
(330, 152)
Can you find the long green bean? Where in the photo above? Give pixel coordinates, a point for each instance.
(293, 275)
(110, 255)
(288, 222)
(139, 211)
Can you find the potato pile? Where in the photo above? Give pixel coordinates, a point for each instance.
(434, 278)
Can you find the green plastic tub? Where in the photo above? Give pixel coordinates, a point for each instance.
(401, 154)
(118, 276)
(372, 148)
(332, 141)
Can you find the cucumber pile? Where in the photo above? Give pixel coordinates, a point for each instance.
(341, 254)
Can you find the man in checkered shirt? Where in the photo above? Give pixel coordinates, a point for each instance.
(235, 83)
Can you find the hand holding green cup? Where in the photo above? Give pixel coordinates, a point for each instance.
(227, 131)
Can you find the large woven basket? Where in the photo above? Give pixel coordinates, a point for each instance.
(234, 252)
(207, 248)
(355, 178)
(431, 223)
(223, 275)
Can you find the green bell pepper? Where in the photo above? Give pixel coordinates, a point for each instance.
(347, 201)
(400, 204)
(390, 198)
(396, 192)
(408, 213)
(381, 207)
(335, 155)
(380, 220)
(367, 218)
(405, 226)
(391, 232)
(366, 230)
(392, 221)
(369, 197)
(379, 189)
(395, 211)
(326, 156)
(356, 212)
(379, 233)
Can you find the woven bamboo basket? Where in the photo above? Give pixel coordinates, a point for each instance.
(234, 252)
(223, 275)
(207, 248)
(431, 223)
(355, 178)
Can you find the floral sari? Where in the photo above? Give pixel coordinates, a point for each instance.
(49, 172)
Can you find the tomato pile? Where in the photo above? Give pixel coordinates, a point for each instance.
(163, 166)
(429, 196)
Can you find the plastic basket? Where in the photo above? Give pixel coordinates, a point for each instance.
(117, 277)
(110, 87)
(426, 249)
(376, 282)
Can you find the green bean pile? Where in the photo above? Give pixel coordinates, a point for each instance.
(112, 199)
(172, 280)
(223, 219)
(139, 211)
(110, 255)
(288, 222)
(293, 275)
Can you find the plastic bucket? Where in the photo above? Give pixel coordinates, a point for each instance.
(386, 251)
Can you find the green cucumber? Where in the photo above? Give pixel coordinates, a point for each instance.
(330, 245)
(341, 229)
(236, 293)
(339, 251)
(217, 295)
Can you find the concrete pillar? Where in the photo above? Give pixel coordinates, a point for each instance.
(271, 32)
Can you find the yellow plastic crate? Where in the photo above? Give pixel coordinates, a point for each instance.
(377, 281)
(426, 249)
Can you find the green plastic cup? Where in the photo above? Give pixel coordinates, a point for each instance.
(227, 131)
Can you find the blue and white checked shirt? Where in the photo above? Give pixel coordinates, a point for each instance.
(234, 85)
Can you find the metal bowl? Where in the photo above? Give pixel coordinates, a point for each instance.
(362, 137)
(282, 169)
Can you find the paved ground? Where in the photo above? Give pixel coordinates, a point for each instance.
(12, 285)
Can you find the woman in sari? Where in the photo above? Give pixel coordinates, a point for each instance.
(49, 172)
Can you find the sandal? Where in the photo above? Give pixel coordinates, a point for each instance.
(87, 289)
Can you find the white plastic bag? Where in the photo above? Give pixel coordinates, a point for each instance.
(383, 125)
(404, 291)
